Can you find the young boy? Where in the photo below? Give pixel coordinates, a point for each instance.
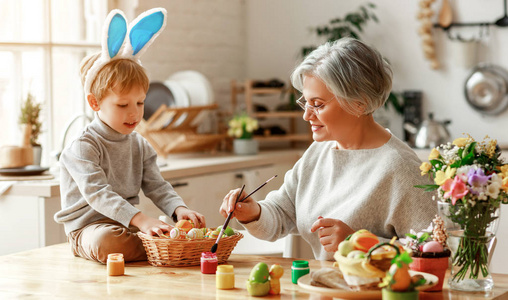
(102, 172)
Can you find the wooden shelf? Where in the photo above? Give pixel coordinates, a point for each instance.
(249, 91)
(285, 137)
(167, 134)
(264, 91)
(279, 114)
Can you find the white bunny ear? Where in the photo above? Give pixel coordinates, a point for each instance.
(144, 30)
(114, 31)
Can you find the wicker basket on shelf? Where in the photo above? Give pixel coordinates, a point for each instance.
(165, 252)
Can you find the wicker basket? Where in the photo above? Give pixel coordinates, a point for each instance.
(165, 252)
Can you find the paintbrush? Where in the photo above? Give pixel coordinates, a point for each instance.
(214, 247)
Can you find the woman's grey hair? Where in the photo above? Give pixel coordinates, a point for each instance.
(357, 74)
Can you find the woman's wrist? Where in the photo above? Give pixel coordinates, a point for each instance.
(256, 216)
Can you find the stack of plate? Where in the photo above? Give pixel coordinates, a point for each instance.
(182, 89)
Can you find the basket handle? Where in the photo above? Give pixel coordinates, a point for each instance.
(381, 245)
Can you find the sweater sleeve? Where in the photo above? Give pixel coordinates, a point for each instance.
(82, 163)
(278, 210)
(155, 187)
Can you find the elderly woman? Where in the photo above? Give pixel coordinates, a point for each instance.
(356, 175)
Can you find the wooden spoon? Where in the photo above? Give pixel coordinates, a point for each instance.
(445, 14)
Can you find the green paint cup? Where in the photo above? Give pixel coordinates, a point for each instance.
(299, 269)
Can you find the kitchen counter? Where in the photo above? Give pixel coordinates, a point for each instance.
(53, 272)
(177, 166)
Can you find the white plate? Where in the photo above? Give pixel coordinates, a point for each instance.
(198, 88)
(181, 99)
(304, 282)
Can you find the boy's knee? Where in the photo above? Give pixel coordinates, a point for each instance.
(115, 240)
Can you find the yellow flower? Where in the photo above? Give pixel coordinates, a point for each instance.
(504, 170)
(425, 168)
(441, 176)
(434, 153)
(460, 142)
(505, 184)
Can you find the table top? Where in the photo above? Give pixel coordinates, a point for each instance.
(53, 272)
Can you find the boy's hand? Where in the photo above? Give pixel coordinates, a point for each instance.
(150, 225)
(183, 213)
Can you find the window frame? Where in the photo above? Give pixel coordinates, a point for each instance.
(49, 138)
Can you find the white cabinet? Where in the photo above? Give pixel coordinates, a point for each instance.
(204, 193)
(26, 222)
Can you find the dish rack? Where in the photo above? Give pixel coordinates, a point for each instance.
(173, 130)
(166, 252)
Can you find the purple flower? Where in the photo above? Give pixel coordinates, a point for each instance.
(477, 178)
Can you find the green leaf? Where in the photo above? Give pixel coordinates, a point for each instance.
(427, 187)
(414, 237)
(394, 100)
(354, 35)
(425, 236)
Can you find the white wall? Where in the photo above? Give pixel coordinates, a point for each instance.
(277, 30)
(202, 35)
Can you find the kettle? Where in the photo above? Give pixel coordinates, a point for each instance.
(430, 133)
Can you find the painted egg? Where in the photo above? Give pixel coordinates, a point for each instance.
(195, 233)
(176, 233)
(184, 225)
(432, 246)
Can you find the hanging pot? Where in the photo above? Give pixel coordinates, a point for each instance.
(486, 89)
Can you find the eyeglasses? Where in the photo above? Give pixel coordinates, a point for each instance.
(313, 109)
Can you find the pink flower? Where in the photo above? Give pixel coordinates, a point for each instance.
(457, 189)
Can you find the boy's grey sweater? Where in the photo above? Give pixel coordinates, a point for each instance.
(370, 188)
(101, 174)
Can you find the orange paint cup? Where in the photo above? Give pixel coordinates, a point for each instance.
(436, 266)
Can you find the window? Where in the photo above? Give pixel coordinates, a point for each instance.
(40, 53)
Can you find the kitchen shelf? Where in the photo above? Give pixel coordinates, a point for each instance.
(249, 91)
(279, 114)
(286, 137)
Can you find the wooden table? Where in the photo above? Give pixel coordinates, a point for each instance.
(53, 272)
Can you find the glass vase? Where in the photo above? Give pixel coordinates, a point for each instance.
(471, 238)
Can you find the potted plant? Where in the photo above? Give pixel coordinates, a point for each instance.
(241, 128)
(30, 116)
(350, 26)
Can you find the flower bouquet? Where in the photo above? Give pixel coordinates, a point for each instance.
(471, 182)
(241, 127)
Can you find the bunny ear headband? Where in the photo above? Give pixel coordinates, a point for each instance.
(140, 35)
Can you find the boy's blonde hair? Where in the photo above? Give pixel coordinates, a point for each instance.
(121, 73)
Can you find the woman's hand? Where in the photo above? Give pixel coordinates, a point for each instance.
(183, 213)
(331, 232)
(245, 212)
(150, 225)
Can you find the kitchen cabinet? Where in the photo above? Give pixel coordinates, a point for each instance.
(26, 218)
(204, 193)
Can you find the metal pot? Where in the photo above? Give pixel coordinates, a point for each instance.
(430, 133)
(486, 89)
